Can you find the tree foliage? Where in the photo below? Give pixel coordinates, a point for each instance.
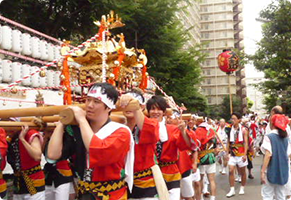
(223, 110)
(150, 24)
(273, 56)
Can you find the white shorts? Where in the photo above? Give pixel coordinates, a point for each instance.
(288, 184)
(196, 176)
(147, 198)
(72, 188)
(221, 154)
(208, 169)
(37, 196)
(269, 191)
(59, 193)
(187, 189)
(174, 193)
(237, 160)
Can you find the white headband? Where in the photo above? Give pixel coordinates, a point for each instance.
(96, 92)
(138, 97)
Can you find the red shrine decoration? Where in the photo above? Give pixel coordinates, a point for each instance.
(228, 61)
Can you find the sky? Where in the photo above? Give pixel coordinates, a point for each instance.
(252, 30)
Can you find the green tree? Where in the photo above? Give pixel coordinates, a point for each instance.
(250, 103)
(223, 110)
(150, 24)
(273, 56)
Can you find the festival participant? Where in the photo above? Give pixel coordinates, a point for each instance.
(275, 169)
(222, 155)
(206, 135)
(24, 155)
(3, 153)
(237, 146)
(146, 134)
(253, 127)
(171, 138)
(102, 148)
(187, 164)
(192, 123)
(58, 179)
(250, 156)
(195, 170)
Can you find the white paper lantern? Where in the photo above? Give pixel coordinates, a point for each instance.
(6, 38)
(43, 82)
(16, 71)
(35, 79)
(57, 79)
(57, 52)
(1, 75)
(26, 70)
(0, 34)
(6, 71)
(35, 47)
(76, 89)
(26, 44)
(16, 41)
(50, 78)
(51, 52)
(44, 50)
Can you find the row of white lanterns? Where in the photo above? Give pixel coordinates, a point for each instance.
(25, 44)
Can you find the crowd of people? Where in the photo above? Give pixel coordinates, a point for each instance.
(154, 155)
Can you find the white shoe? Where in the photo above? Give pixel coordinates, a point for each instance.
(241, 191)
(220, 168)
(230, 194)
(223, 171)
(238, 179)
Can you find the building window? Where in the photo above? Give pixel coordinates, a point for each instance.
(209, 100)
(205, 17)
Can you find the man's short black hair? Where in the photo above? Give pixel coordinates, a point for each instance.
(238, 115)
(107, 89)
(158, 101)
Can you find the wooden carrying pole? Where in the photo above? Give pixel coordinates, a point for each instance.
(17, 126)
(37, 111)
(67, 115)
(53, 110)
(230, 97)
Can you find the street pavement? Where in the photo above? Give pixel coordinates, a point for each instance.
(252, 189)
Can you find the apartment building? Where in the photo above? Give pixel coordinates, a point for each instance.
(221, 28)
(217, 24)
(190, 18)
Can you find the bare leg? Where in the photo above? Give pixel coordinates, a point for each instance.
(231, 175)
(211, 179)
(243, 175)
(197, 188)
